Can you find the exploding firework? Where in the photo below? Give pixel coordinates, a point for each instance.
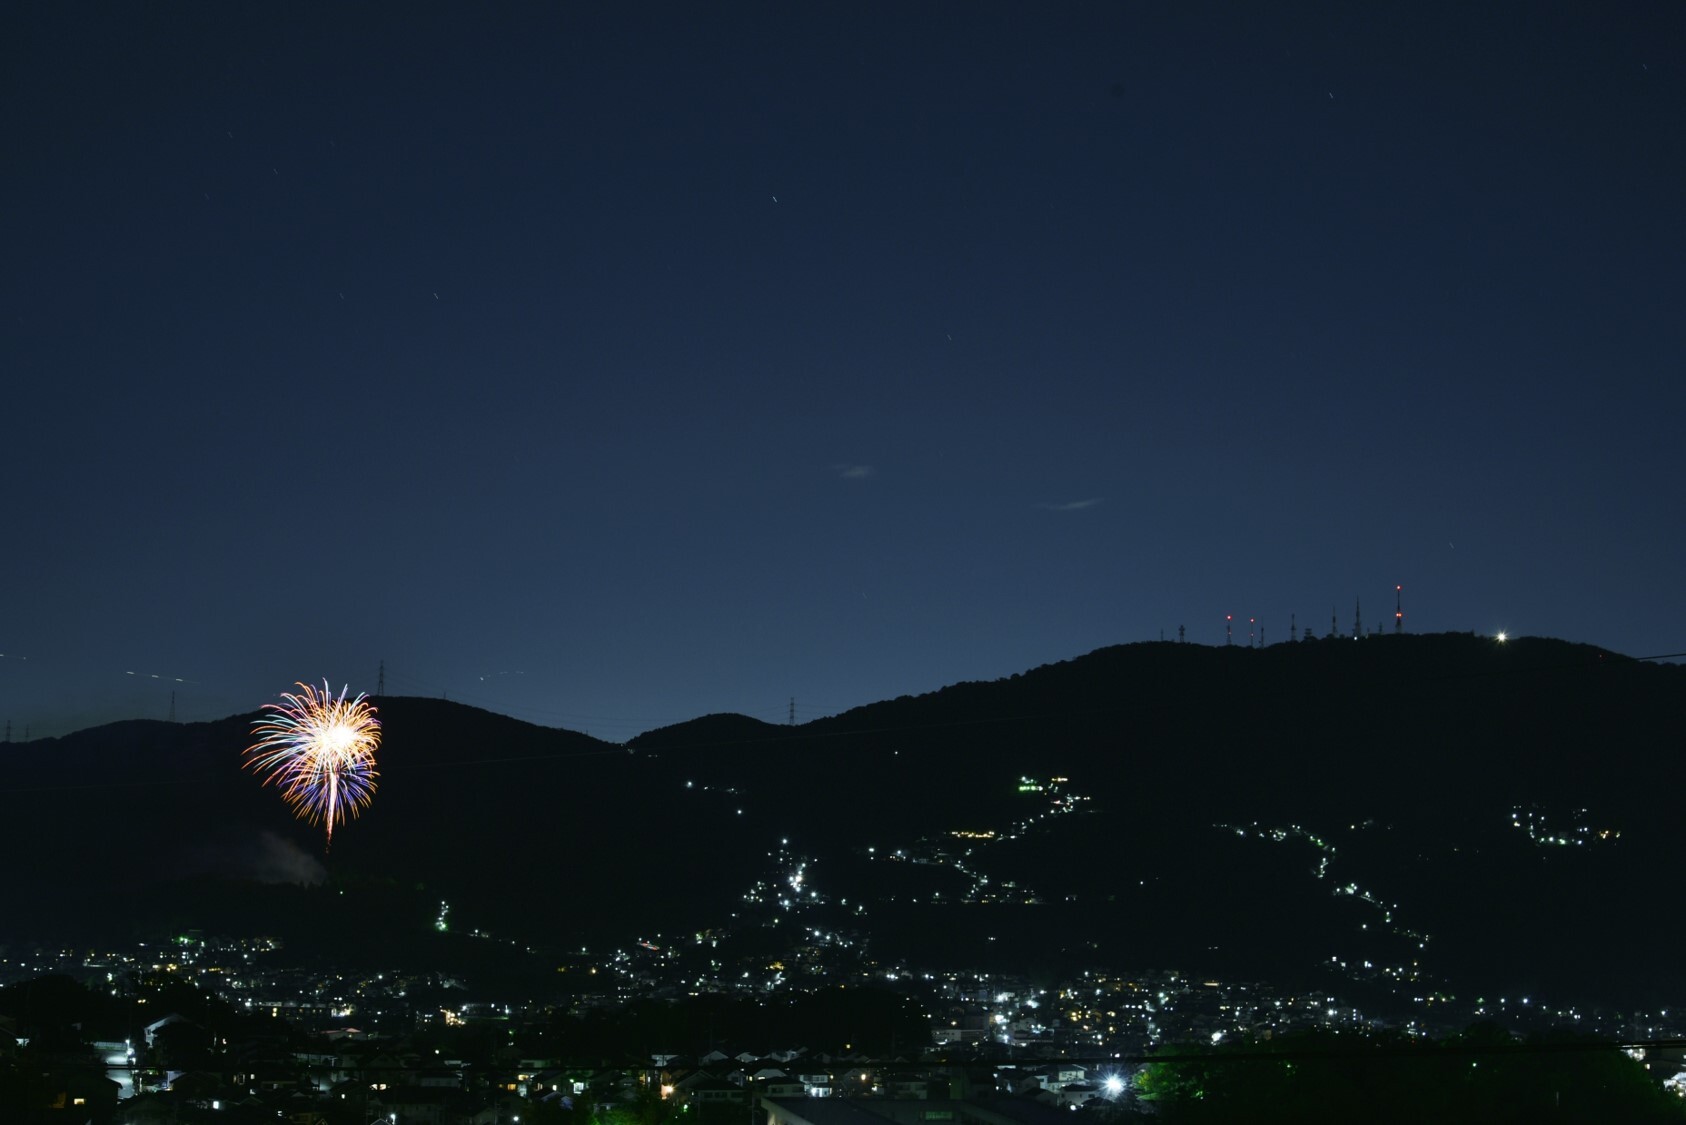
(319, 750)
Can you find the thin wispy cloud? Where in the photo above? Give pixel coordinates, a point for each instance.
(854, 472)
(1072, 505)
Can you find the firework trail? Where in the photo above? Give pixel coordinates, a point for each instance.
(319, 750)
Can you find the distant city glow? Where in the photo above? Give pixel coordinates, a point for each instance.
(319, 750)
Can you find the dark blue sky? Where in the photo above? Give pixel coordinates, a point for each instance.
(610, 365)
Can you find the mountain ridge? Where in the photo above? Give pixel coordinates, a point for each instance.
(1435, 770)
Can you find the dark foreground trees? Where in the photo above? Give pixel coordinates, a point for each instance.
(1483, 1075)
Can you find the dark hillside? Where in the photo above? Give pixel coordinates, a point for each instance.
(1447, 806)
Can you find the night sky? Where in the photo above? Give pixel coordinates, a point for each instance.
(608, 365)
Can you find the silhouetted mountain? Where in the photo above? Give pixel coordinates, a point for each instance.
(1447, 808)
(737, 731)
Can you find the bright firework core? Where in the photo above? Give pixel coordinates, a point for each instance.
(339, 738)
(319, 750)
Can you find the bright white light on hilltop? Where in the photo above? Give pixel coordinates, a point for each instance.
(1502, 638)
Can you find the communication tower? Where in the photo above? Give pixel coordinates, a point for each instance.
(792, 720)
(1357, 618)
(1398, 610)
(1229, 629)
